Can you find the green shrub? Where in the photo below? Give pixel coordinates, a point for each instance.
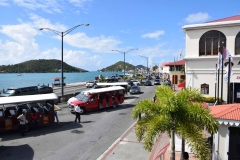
(211, 99)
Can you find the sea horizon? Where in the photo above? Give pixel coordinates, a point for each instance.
(8, 80)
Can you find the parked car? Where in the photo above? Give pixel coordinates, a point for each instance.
(44, 89)
(136, 82)
(148, 83)
(19, 91)
(90, 84)
(156, 81)
(135, 89)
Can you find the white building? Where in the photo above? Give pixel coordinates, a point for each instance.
(202, 43)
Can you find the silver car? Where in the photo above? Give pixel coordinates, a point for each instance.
(135, 89)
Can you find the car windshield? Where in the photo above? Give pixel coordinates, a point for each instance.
(10, 91)
(157, 80)
(79, 95)
(90, 82)
(83, 98)
(134, 87)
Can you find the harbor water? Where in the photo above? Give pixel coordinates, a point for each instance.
(8, 80)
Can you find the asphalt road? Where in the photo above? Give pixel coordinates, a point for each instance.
(73, 141)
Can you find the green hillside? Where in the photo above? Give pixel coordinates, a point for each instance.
(120, 65)
(39, 66)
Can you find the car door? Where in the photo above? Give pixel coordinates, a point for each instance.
(92, 103)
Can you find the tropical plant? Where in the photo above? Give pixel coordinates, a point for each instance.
(180, 80)
(102, 79)
(180, 113)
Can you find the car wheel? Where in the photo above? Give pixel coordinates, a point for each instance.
(114, 105)
(83, 111)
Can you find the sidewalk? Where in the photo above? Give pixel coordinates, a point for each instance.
(127, 147)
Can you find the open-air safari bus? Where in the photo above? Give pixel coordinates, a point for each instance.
(122, 84)
(12, 107)
(99, 98)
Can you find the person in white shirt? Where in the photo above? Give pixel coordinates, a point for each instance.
(23, 122)
(78, 110)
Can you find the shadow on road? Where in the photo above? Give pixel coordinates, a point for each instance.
(41, 130)
(109, 109)
(22, 151)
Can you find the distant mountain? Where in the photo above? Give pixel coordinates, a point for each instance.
(141, 66)
(119, 66)
(39, 66)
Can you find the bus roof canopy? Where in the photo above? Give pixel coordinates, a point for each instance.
(27, 98)
(100, 90)
(113, 84)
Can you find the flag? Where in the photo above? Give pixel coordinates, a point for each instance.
(226, 53)
(228, 69)
(219, 60)
(216, 73)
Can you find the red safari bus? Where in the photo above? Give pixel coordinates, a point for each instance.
(12, 107)
(99, 98)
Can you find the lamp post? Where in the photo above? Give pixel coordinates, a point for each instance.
(62, 34)
(124, 56)
(147, 62)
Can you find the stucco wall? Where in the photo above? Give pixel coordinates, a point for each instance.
(201, 69)
(222, 141)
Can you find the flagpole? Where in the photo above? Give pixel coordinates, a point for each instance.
(218, 87)
(216, 83)
(228, 93)
(222, 75)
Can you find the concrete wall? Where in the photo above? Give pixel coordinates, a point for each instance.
(201, 69)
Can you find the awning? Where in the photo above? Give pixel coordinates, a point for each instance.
(181, 85)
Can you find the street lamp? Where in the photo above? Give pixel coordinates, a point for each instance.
(124, 56)
(62, 34)
(147, 62)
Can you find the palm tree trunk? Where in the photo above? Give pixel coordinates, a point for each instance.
(172, 156)
(183, 149)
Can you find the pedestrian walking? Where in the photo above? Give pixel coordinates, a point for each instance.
(56, 116)
(23, 121)
(154, 98)
(77, 112)
(56, 108)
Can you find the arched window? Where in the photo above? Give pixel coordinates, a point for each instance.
(237, 44)
(209, 43)
(205, 88)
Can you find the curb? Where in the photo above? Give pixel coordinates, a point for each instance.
(115, 144)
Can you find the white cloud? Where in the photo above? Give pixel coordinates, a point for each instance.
(4, 3)
(155, 34)
(97, 44)
(49, 6)
(21, 44)
(157, 52)
(197, 17)
(79, 3)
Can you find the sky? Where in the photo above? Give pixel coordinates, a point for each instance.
(144, 31)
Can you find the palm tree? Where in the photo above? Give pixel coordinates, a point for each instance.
(180, 113)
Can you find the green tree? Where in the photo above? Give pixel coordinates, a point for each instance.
(154, 68)
(180, 113)
(102, 79)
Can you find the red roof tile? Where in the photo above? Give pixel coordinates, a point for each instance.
(177, 63)
(228, 111)
(165, 63)
(232, 18)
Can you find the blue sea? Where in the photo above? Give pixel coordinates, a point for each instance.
(33, 79)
